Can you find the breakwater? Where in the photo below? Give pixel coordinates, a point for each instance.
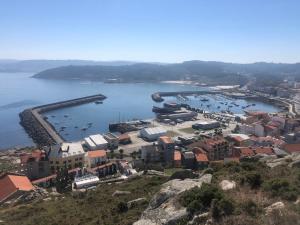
(38, 128)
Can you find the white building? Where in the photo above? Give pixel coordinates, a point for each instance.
(255, 129)
(152, 133)
(96, 141)
(86, 181)
(206, 125)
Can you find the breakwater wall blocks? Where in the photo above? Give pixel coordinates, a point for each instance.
(157, 97)
(42, 132)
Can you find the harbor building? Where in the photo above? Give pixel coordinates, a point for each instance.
(96, 141)
(113, 140)
(66, 155)
(152, 133)
(206, 125)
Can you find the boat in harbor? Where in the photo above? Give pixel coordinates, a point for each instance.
(204, 100)
(84, 128)
(98, 102)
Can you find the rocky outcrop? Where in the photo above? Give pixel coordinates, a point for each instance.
(118, 193)
(164, 208)
(135, 202)
(277, 206)
(227, 185)
(292, 160)
(199, 219)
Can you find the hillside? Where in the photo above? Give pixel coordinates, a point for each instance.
(257, 187)
(35, 66)
(202, 71)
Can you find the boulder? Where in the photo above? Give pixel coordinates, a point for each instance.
(227, 185)
(277, 206)
(163, 207)
(198, 219)
(295, 164)
(134, 202)
(118, 193)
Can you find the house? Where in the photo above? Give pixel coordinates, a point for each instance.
(95, 158)
(243, 152)
(151, 153)
(113, 140)
(239, 139)
(201, 160)
(266, 141)
(65, 155)
(35, 164)
(168, 146)
(264, 150)
(216, 147)
(152, 133)
(291, 148)
(96, 141)
(13, 185)
(124, 139)
(189, 160)
(256, 128)
(177, 159)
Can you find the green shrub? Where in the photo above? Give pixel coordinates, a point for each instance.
(222, 207)
(281, 188)
(250, 208)
(198, 199)
(253, 179)
(122, 207)
(183, 174)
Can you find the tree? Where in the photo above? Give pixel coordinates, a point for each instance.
(121, 153)
(63, 181)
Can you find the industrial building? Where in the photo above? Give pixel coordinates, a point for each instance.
(206, 125)
(96, 141)
(152, 133)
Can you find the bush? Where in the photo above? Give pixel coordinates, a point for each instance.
(122, 207)
(222, 207)
(281, 188)
(250, 208)
(198, 199)
(183, 174)
(254, 179)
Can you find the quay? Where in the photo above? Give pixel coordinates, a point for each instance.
(158, 96)
(39, 129)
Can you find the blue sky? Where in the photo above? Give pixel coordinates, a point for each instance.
(151, 30)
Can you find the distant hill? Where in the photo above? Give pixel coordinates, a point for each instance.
(35, 66)
(202, 71)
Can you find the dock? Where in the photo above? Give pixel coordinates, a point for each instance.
(39, 129)
(158, 96)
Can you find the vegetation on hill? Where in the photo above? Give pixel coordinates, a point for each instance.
(92, 207)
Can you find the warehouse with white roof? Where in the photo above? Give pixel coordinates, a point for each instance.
(96, 141)
(152, 133)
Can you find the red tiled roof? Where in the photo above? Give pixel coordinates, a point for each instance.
(96, 153)
(9, 184)
(200, 157)
(264, 150)
(35, 155)
(198, 150)
(292, 148)
(177, 155)
(247, 152)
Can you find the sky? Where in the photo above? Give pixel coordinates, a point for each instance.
(241, 31)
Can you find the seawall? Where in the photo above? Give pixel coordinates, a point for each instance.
(39, 129)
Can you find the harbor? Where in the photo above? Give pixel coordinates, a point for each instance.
(37, 126)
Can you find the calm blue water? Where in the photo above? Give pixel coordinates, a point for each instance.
(125, 101)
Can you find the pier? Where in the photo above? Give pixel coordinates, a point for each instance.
(158, 96)
(39, 129)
